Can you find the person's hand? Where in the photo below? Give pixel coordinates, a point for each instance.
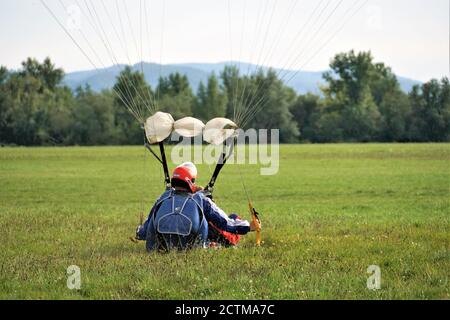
(208, 194)
(138, 230)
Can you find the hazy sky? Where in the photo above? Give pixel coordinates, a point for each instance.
(411, 36)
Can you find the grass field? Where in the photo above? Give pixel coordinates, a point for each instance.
(330, 213)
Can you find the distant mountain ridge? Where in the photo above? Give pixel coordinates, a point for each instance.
(302, 81)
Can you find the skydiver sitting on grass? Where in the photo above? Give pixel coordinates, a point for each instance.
(184, 217)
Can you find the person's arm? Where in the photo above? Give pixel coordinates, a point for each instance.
(220, 219)
(141, 231)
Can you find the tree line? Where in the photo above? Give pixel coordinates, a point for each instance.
(361, 101)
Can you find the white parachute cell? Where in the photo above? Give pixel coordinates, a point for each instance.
(218, 130)
(189, 127)
(158, 127)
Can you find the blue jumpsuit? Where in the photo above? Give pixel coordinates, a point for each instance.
(180, 219)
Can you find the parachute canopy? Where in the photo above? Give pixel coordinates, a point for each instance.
(218, 130)
(275, 38)
(158, 127)
(161, 125)
(189, 127)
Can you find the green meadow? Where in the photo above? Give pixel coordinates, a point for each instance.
(330, 213)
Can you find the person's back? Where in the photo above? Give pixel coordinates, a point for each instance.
(178, 222)
(181, 218)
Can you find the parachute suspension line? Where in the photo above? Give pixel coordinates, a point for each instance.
(98, 28)
(236, 110)
(254, 42)
(75, 41)
(147, 28)
(90, 47)
(140, 37)
(247, 196)
(324, 23)
(252, 49)
(235, 80)
(130, 25)
(128, 82)
(252, 211)
(281, 30)
(266, 34)
(238, 104)
(141, 216)
(259, 87)
(259, 65)
(333, 35)
(143, 10)
(84, 37)
(259, 26)
(293, 58)
(246, 102)
(122, 40)
(253, 110)
(150, 109)
(161, 49)
(230, 39)
(68, 33)
(239, 59)
(122, 30)
(278, 35)
(345, 18)
(145, 102)
(230, 36)
(306, 29)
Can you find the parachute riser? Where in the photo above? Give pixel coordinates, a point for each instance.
(164, 163)
(162, 160)
(220, 164)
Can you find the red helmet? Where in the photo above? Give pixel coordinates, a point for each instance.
(186, 172)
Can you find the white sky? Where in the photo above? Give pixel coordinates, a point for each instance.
(411, 36)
